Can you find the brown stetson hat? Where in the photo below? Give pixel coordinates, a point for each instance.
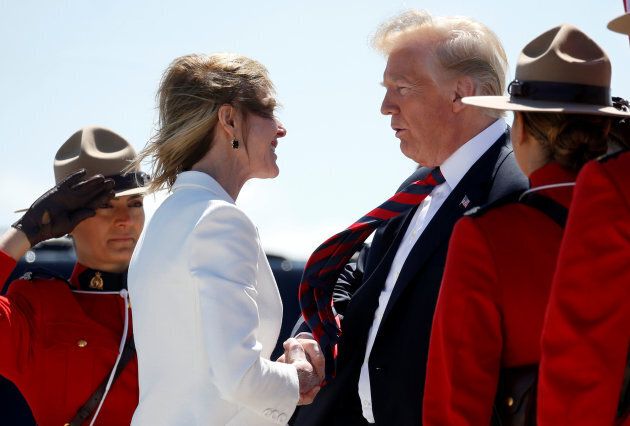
(561, 71)
(620, 24)
(100, 151)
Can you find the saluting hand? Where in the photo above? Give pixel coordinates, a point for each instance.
(61, 208)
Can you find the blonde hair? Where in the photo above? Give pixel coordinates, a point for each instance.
(192, 90)
(569, 139)
(464, 47)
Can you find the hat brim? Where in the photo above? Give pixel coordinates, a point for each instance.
(505, 103)
(125, 193)
(132, 191)
(620, 24)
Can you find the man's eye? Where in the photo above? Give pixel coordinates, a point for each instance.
(105, 206)
(402, 89)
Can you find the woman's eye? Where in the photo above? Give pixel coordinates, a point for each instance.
(137, 204)
(105, 206)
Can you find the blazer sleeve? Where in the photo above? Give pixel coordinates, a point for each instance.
(586, 334)
(466, 339)
(223, 257)
(349, 281)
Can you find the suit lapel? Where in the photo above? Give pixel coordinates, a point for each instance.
(381, 259)
(471, 191)
(387, 240)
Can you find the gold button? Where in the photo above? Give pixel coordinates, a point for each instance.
(510, 401)
(82, 343)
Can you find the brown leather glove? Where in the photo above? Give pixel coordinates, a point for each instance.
(62, 207)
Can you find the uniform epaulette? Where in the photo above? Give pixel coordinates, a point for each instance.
(612, 155)
(42, 274)
(481, 210)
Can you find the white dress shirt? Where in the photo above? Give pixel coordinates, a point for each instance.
(206, 315)
(453, 169)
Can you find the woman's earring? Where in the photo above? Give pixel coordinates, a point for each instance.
(235, 143)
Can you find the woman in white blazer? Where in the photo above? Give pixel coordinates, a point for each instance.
(206, 308)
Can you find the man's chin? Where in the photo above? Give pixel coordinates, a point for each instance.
(404, 148)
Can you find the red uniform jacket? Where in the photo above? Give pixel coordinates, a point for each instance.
(587, 329)
(58, 346)
(492, 302)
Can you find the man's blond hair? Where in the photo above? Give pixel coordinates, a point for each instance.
(463, 47)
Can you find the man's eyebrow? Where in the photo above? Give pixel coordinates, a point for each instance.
(397, 79)
(402, 80)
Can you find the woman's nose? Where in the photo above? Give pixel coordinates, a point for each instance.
(282, 131)
(122, 215)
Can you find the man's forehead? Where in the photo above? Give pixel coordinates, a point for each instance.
(412, 56)
(405, 65)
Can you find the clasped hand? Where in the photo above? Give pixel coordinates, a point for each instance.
(304, 353)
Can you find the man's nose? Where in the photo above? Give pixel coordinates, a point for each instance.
(388, 107)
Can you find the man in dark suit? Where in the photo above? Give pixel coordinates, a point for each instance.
(387, 298)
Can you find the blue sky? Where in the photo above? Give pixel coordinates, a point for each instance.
(66, 64)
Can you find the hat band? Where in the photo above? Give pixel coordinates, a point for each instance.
(560, 92)
(130, 181)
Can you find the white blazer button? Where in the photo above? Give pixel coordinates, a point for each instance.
(282, 418)
(274, 415)
(268, 412)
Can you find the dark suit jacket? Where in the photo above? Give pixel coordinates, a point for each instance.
(399, 355)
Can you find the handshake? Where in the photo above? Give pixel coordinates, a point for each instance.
(304, 353)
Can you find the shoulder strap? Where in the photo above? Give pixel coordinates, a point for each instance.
(552, 209)
(623, 409)
(87, 409)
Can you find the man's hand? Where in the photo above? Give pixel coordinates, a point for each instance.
(61, 208)
(308, 377)
(313, 352)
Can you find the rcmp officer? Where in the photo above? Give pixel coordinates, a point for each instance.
(587, 329)
(67, 345)
(501, 259)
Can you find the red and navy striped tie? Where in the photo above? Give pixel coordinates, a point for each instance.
(327, 261)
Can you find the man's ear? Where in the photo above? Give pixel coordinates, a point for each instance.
(464, 86)
(227, 118)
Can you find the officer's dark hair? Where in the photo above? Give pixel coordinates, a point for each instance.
(570, 139)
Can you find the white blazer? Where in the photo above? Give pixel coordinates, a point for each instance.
(206, 315)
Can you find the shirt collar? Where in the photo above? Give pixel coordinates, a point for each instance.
(201, 180)
(457, 165)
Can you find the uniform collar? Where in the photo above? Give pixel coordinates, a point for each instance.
(194, 179)
(550, 174)
(88, 279)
